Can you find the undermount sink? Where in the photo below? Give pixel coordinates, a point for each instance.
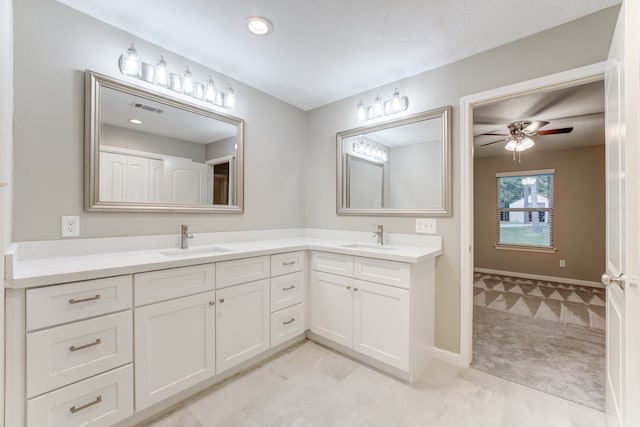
(197, 250)
(367, 246)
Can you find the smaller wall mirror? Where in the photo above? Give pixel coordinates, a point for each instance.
(146, 151)
(398, 167)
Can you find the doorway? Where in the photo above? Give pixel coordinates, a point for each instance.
(469, 105)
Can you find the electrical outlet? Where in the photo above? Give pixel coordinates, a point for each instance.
(563, 264)
(70, 226)
(425, 225)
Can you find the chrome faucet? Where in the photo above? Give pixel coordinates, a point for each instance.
(185, 236)
(378, 234)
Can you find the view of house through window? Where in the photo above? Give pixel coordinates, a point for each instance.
(525, 208)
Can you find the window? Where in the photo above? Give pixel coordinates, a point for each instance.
(525, 210)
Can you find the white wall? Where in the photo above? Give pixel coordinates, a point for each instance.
(579, 43)
(56, 45)
(6, 157)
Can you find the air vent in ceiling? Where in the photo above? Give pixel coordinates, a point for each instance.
(147, 107)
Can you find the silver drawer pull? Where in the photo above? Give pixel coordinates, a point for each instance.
(288, 288)
(73, 409)
(81, 347)
(286, 322)
(76, 301)
(288, 263)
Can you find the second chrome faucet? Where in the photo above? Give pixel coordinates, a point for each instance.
(378, 234)
(185, 236)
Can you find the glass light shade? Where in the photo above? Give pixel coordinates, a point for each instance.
(511, 145)
(230, 101)
(361, 111)
(161, 75)
(396, 101)
(211, 90)
(198, 91)
(378, 107)
(187, 82)
(130, 62)
(526, 143)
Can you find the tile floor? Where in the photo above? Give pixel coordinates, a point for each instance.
(311, 386)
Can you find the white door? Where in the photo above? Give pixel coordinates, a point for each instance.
(242, 324)
(622, 95)
(332, 307)
(174, 346)
(137, 182)
(113, 177)
(381, 323)
(185, 182)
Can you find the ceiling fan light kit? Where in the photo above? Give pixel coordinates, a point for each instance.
(520, 132)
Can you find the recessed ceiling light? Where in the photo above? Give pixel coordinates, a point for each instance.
(136, 121)
(259, 26)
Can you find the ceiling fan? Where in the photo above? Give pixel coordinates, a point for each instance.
(520, 132)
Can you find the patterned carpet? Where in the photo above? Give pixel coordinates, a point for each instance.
(558, 302)
(548, 336)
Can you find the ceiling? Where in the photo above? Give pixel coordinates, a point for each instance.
(323, 51)
(580, 107)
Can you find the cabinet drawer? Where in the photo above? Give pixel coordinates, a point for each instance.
(68, 353)
(229, 273)
(392, 273)
(287, 290)
(54, 305)
(333, 263)
(287, 263)
(286, 324)
(99, 401)
(163, 285)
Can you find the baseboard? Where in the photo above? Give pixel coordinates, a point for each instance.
(539, 277)
(449, 357)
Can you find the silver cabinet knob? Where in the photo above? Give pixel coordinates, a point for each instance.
(348, 288)
(355, 289)
(221, 300)
(212, 303)
(608, 280)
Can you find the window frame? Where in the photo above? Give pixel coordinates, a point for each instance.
(500, 211)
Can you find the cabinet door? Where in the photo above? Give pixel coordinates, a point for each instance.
(381, 323)
(137, 179)
(332, 307)
(242, 323)
(113, 177)
(174, 347)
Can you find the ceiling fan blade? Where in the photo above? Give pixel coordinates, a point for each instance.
(494, 142)
(491, 134)
(535, 126)
(554, 131)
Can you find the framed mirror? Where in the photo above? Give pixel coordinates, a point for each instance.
(149, 151)
(398, 167)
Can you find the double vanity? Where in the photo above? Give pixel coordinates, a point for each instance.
(98, 336)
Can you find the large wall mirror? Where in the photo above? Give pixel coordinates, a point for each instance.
(398, 167)
(149, 151)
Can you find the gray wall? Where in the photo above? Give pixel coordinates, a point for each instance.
(6, 156)
(56, 44)
(578, 43)
(414, 171)
(221, 148)
(115, 136)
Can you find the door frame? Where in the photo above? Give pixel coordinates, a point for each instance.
(581, 75)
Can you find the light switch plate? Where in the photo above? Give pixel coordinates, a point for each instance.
(426, 225)
(70, 226)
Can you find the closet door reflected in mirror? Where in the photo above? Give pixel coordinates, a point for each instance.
(151, 151)
(398, 167)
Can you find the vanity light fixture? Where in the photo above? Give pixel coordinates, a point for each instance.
(131, 65)
(380, 108)
(259, 26)
(369, 150)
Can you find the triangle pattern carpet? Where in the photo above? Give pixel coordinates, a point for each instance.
(545, 335)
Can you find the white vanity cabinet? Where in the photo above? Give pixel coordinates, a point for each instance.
(79, 349)
(242, 313)
(378, 308)
(174, 331)
(288, 285)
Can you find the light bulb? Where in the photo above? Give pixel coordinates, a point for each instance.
(211, 90)
(377, 106)
(130, 62)
(361, 111)
(396, 101)
(187, 82)
(161, 75)
(230, 101)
